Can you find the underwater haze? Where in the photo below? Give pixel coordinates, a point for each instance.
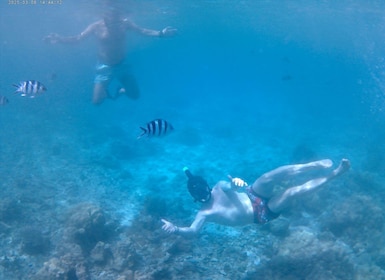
(247, 85)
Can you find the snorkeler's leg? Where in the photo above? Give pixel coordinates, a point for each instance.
(279, 202)
(264, 185)
(102, 80)
(100, 93)
(130, 86)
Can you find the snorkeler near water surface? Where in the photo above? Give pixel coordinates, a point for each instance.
(111, 34)
(235, 203)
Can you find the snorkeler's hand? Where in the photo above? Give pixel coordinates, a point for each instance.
(237, 182)
(168, 32)
(52, 38)
(169, 227)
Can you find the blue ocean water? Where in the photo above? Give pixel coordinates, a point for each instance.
(248, 86)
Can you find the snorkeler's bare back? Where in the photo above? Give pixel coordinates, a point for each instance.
(229, 208)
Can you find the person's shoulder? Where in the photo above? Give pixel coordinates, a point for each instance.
(221, 183)
(222, 186)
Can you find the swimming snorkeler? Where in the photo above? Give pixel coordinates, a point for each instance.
(111, 34)
(235, 203)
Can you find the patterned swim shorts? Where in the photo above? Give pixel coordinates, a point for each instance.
(262, 213)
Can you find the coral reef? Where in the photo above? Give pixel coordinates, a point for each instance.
(87, 225)
(304, 255)
(33, 241)
(359, 222)
(94, 246)
(10, 210)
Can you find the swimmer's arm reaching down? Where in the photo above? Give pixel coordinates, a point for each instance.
(185, 231)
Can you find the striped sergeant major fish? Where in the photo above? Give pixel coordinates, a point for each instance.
(157, 127)
(30, 88)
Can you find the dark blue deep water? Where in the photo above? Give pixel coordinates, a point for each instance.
(248, 86)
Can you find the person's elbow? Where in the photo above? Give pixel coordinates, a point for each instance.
(188, 232)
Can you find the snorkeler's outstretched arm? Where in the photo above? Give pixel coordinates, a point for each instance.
(55, 38)
(165, 32)
(185, 231)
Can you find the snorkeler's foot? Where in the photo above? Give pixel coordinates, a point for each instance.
(120, 91)
(132, 94)
(343, 167)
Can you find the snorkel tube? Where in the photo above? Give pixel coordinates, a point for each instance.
(188, 173)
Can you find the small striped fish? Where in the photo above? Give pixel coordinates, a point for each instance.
(157, 127)
(30, 88)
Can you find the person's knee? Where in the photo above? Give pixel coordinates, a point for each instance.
(264, 179)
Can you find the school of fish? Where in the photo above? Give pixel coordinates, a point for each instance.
(31, 88)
